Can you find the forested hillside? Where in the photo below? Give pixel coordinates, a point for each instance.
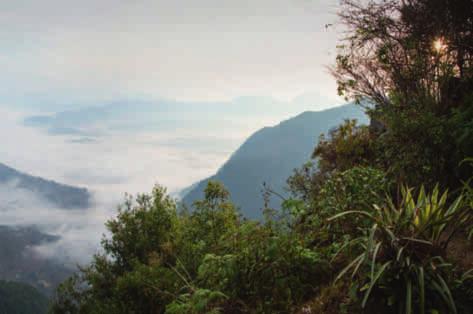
(23, 193)
(17, 298)
(19, 262)
(381, 220)
(270, 155)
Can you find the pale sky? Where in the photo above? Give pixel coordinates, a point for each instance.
(192, 50)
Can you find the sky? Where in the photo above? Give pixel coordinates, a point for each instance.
(195, 50)
(233, 67)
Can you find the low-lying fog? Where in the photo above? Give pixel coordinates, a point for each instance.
(111, 153)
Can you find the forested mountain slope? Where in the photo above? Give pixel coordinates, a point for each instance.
(17, 298)
(19, 261)
(270, 155)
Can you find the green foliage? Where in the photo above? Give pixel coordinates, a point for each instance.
(403, 260)
(136, 272)
(409, 63)
(210, 260)
(71, 298)
(141, 230)
(391, 49)
(348, 146)
(357, 188)
(305, 182)
(419, 146)
(201, 301)
(270, 271)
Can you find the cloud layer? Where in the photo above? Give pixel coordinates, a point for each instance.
(113, 149)
(109, 165)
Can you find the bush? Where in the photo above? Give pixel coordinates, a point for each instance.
(210, 260)
(349, 145)
(404, 261)
(357, 188)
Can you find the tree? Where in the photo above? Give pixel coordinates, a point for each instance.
(410, 63)
(411, 49)
(138, 269)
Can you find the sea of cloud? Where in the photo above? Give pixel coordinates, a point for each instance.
(109, 164)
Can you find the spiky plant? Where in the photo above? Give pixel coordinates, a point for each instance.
(403, 254)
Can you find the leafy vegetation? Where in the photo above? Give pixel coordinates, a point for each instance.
(410, 64)
(379, 221)
(159, 260)
(404, 252)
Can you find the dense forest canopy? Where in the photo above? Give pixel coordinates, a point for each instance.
(380, 220)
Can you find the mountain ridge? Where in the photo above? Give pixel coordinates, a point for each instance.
(271, 154)
(61, 195)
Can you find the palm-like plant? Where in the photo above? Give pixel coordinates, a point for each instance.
(404, 251)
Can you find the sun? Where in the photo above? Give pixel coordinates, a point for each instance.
(439, 45)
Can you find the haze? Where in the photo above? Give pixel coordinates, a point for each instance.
(204, 74)
(65, 51)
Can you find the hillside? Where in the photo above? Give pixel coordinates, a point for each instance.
(60, 195)
(17, 298)
(271, 154)
(18, 262)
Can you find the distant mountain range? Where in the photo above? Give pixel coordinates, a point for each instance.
(270, 155)
(60, 195)
(162, 115)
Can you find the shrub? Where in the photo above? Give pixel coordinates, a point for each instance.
(157, 260)
(403, 260)
(200, 301)
(357, 188)
(349, 145)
